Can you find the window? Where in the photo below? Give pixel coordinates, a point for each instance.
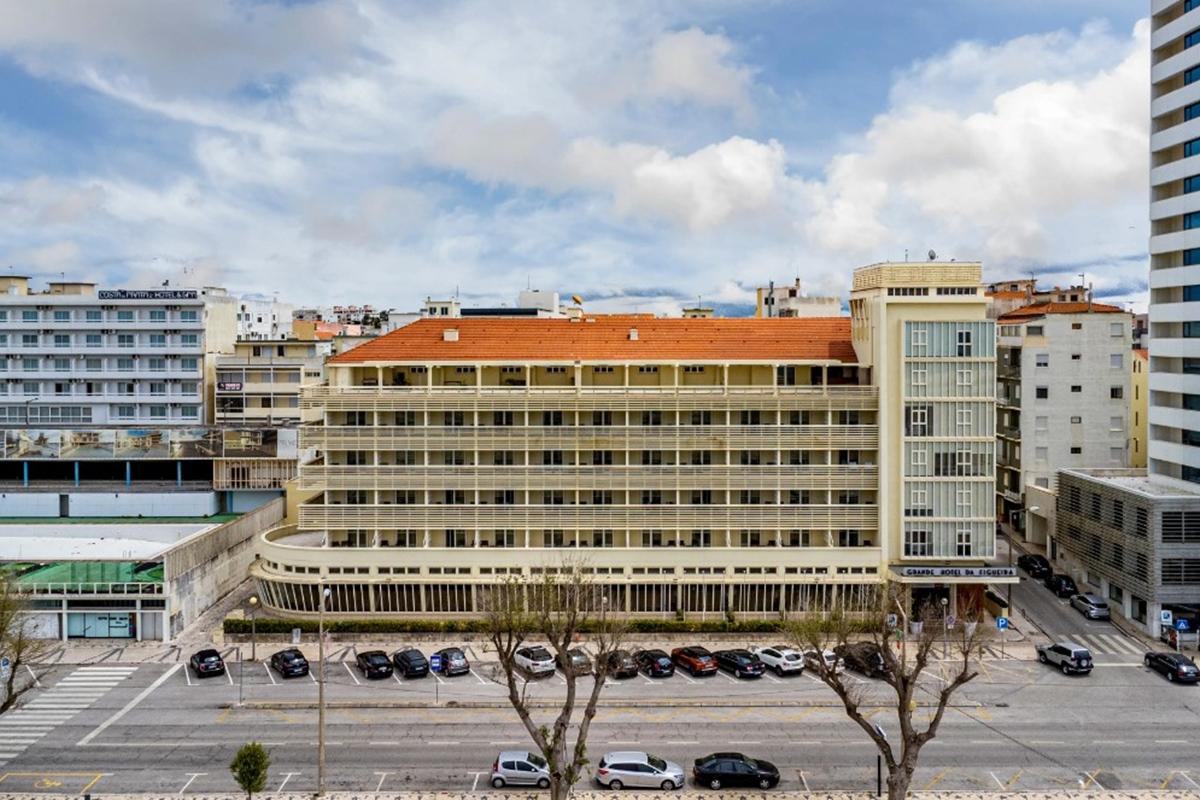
(602, 418)
(1191, 39)
(1116, 455)
(919, 377)
(1076, 420)
(553, 418)
(1191, 330)
(158, 412)
(598, 370)
(917, 423)
(602, 458)
(158, 315)
(919, 336)
(1191, 75)
(93, 340)
(29, 340)
(1042, 393)
(964, 344)
(1042, 360)
(1075, 451)
(1035, 330)
(158, 340)
(187, 316)
(1116, 423)
(62, 340)
(648, 370)
(1116, 392)
(962, 541)
(189, 340)
(125, 316)
(964, 418)
(652, 418)
(751, 417)
(1076, 356)
(966, 377)
(62, 365)
(919, 457)
(158, 364)
(125, 340)
(502, 419)
(189, 364)
(848, 539)
(29, 316)
(1191, 220)
(918, 497)
(1041, 453)
(92, 315)
(1076, 388)
(30, 364)
(1116, 361)
(916, 544)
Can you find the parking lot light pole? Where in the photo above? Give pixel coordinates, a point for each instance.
(253, 627)
(321, 689)
(241, 674)
(945, 630)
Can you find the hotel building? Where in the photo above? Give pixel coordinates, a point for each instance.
(697, 466)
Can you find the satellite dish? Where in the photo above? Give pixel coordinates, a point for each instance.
(576, 299)
(932, 255)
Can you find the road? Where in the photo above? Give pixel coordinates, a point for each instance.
(155, 727)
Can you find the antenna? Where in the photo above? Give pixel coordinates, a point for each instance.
(932, 255)
(906, 254)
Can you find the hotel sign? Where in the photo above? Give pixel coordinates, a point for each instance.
(229, 386)
(957, 572)
(148, 294)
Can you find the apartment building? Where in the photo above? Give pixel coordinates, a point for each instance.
(1174, 446)
(260, 383)
(1064, 393)
(697, 466)
(73, 355)
(792, 301)
(1139, 405)
(263, 318)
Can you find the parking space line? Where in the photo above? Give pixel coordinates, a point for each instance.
(771, 678)
(1188, 778)
(997, 780)
(478, 677)
(36, 682)
(475, 783)
(685, 677)
(397, 679)
(191, 777)
(312, 677)
(129, 706)
(726, 677)
(804, 781)
(230, 677)
(438, 678)
(286, 777)
(350, 672)
(382, 778)
(269, 675)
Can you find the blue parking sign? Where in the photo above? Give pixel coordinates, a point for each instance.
(1002, 623)
(1182, 626)
(435, 662)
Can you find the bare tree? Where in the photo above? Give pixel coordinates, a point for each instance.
(880, 629)
(555, 606)
(17, 642)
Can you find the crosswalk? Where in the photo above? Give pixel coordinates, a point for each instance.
(1103, 643)
(55, 706)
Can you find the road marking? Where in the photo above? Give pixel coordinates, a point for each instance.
(382, 778)
(229, 675)
(804, 781)
(478, 677)
(1187, 778)
(504, 744)
(936, 779)
(350, 672)
(438, 678)
(441, 744)
(269, 675)
(397, 678)
(624, 741)
(685, 677)
(682, 743)
(475, 783)
(744, 741)
(311, 677)
(1171, 741)
(287, 776)
(1046, 741)
(192, 777)
(726, 677)
(771, 678)
(36, 682)
(128, 706)
(997, 780)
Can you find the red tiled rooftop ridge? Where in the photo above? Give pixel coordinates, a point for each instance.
(1042, 309)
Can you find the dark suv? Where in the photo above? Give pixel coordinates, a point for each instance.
(1035, 565)
(741, 663)
(207, 662)
(1062, 585)
(864, 657)
(290, 663)
(654, 663)
(622, 665)
(411, 663)
(696, 660)
(374, 664)
(1174, 666)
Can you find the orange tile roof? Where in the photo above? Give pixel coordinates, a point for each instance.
(1042, 309)
(607, 339)
(1006, 294)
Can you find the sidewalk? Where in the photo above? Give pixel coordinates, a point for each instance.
(685, 794)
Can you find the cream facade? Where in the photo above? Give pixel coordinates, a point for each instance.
(1139, 407)
(260, 383)
(696, 466)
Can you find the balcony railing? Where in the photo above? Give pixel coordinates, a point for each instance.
(91, 588)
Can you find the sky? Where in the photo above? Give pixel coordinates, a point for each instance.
(646, 156)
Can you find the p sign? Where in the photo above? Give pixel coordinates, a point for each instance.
(435, 663)
(1166, 618)
(1002, 623)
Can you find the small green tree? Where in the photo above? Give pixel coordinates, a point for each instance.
(250, 766)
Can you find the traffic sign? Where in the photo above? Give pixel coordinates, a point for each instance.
(295, 636)
(1182, 626)
(1002, 623)
(950, 621)
(435, 662)
(892, 619)
(1166, 617)
(5, 667)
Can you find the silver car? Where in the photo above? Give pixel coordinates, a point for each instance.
(636, 769)
(1091, 606)
(520, 768)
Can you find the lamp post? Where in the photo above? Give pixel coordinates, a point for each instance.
(945, 630)
(253, 627)
(321, 689)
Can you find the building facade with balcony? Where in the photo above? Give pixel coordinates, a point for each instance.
(699, 466)
(1063, 393)
(260, 383)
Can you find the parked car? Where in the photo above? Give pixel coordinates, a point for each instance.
(742, 663)
(640, 770)
(622, 665)
(454, 661)
(374, 664)
(535, 661)
(207, 662)
(576, 662)
(1091, 606)
(520, 768)
(784, 660)
(1071, 658)
(695, 659)
(864, 657)
(813, 658)
(411, 663)
(654, 663)
(1062, 585)
(719, 770)
(1175, 666)
(290, 663)
(1036, 566)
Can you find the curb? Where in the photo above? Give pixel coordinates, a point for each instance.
(302, 705)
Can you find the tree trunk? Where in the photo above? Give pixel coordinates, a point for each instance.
(898, 780)
(560, 789)
(10, 694)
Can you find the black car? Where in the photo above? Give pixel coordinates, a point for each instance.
(207, 662)
(654, 663)
(411, 663)
(454, 661)
(1035, 565)
(622, 665)
(741, 663)
(864, 657)
(374, 664)
(719, 770)
(1175, 666)
(1062, 585)
(290, 663)
(576, 662)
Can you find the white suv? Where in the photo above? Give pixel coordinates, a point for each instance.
(534, 660)
(638, 770)
(784, 660)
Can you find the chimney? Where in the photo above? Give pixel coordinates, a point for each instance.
(450, 335)
(633, 334)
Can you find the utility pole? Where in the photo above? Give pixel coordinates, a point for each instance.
(321, 689)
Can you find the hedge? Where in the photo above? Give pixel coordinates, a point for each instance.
(476, 625)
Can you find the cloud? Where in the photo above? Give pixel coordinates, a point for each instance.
(46, 202)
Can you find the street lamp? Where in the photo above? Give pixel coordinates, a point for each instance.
(945, 630)
(253, 627)
(321, 689)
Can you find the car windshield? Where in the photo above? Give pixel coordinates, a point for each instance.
(751, 763)
(209, 657)
(289, 656)
(377, 658)
(656, 762)
(663, 660)
(536, 760)
(539, 654)
(579, 657)
(792, 656)
(454, 654)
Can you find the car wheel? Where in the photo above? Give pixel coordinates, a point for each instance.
(764, 784)
(669, 786)
(779, 670)
(543, 783)
(616, 785)
(1066, 670)
(1042, 657)
(497, 782)
(1146, 661)
(715, 783)
(1170, 677)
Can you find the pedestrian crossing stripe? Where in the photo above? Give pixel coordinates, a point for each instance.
(1105, 643)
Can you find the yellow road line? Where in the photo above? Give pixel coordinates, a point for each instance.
(91, 783)
(1008, 784)
(936, 779)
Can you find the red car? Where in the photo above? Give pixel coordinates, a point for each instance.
(695, 659)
